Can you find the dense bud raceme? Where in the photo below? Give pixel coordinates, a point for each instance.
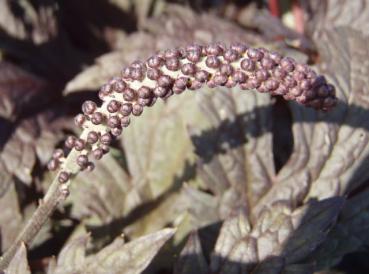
(176, 70)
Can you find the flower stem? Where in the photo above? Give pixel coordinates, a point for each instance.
(55, 195)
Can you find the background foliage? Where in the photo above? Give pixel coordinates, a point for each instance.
(207, 182)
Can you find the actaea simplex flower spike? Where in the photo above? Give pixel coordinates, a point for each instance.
(175, 70)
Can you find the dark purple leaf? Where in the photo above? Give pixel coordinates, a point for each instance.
(19, 90)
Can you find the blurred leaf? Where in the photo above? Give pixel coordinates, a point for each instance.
(32, 137)
(176, 26)
(183, 25)
(323, 15)
(10, 23)
(191, 259)
(6, 179)
(330, 272)
(22, 21)
(299, 269)
(136, 46)
(272, 27)
(103, 23)
(19, 264)
(18, 154)
(160, 159)
(19, 90)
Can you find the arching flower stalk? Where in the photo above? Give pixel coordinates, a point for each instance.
(162, 75)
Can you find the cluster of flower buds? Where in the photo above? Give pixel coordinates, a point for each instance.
(175, 70)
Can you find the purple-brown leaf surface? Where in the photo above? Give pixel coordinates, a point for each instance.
(281, 237)
(249, 183)
(19, 90)
(118, 257)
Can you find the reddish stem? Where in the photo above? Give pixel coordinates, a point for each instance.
(274, 7)
(298, 15)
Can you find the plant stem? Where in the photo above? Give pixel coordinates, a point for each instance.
(274, 8)
(298, 15)
(55, 195)
(38, 219)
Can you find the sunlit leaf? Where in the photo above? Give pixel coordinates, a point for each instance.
(130, 258)
(103, 192)
(191, 259)
(233, 231)
(72, 257)
(137, 46)
(280, 237)
(183, 25)
(118, 257)
(235, 160)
